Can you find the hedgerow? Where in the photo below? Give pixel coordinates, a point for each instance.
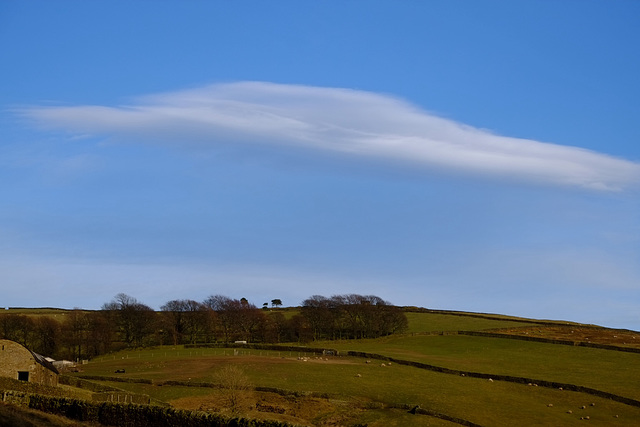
(132, 415)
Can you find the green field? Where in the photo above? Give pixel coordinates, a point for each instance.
(348, 390)
(559, 363)
(436, 322)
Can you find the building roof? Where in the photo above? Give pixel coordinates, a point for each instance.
(44, 362)
(40, 359)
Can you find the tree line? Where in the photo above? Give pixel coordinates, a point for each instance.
(125, 322)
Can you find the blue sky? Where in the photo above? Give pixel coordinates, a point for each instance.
(465, 155)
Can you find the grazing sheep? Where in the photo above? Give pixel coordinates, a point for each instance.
(550, 405)
(569, 411)
(358, 375)
(490, 380)
(383, 365)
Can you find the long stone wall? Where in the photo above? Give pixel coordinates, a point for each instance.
(497, 377)
(550, 341)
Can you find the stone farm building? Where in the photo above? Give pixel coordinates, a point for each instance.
(20, 363)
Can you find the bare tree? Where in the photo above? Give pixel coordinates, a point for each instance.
(74, 331)
(16, 327)
(135, 320)
(317, 310)
(46, 336)
(274, 327)
(235, 386)
(173, 319)
(239, 318)
(299, 329)
(100, 333)
(352, 316)
(221, 306)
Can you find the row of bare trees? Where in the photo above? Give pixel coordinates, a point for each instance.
(81, 334)
(352, 316)
(125, 322)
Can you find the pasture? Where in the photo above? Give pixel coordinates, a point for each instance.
(341, 390)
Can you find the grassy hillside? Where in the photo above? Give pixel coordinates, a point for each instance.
(341, 390)
(436, 322)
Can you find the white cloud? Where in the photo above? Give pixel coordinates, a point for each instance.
(345, 121)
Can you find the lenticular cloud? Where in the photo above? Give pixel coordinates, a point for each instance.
(351, 122)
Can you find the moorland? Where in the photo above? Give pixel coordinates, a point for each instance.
(443, 368)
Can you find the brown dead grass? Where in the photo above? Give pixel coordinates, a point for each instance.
(205, 366)
(307, 411)
(620, 338)
(16, 416)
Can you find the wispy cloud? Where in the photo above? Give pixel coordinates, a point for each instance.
(350, 122)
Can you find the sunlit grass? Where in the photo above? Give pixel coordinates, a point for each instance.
(436, 322)
(369, 384)
(612, 371)
(477, 400)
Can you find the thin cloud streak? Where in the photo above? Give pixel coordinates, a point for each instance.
(350, 122)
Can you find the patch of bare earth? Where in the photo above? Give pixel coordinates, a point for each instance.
(615, 337)
(307, 411)
(201, 367)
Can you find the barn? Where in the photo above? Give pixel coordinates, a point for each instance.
(20, 363)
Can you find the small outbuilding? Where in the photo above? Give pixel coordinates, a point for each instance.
(20, 363)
